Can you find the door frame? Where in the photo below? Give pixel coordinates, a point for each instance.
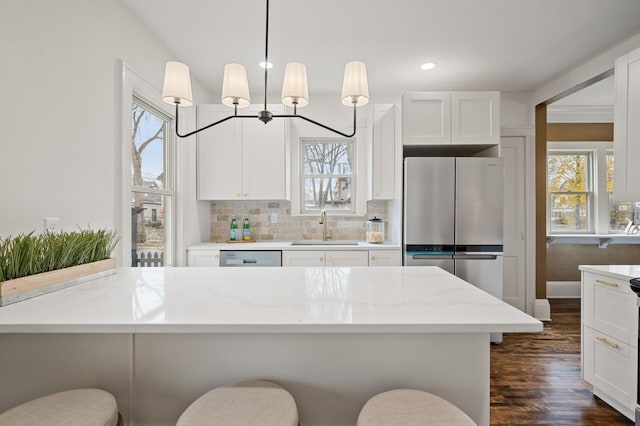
(529, 201)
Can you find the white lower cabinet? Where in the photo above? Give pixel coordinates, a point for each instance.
(203, 258)
(378, 257)
(325, 258)
(385, 258)
(610, 340)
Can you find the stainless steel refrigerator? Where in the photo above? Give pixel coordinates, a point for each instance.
(453, 211)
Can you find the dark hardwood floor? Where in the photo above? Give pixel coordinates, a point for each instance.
(535, 377)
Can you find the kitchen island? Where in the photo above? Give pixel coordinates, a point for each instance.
(157, 338)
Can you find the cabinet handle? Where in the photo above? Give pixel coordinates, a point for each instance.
(238, 195)
(373, 258)
(610, 284)
(215, 256)
(322, 259)
(606, 342)
(244, 195)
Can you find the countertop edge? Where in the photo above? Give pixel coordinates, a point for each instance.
(608, 271)
(269, 328)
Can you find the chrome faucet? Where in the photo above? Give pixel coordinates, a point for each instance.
(323, 221)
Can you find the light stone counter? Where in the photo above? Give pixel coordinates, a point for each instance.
(158, 338)
(286, 245)
(622, 272)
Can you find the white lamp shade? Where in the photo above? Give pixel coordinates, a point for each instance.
(355, 84)
(235, 86)
(177, 84)
(295, 87)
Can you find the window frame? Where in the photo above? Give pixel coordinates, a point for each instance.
(299, 131)
(601, 219)
(132, 84)
(302, 176)
(168, 190)
(590, 191)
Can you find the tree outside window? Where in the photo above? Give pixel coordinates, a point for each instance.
(328, 175)
(151, 193)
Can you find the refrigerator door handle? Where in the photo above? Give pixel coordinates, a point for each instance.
(475, 256)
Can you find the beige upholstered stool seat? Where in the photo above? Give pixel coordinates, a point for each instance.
(249, 403)
(78, 407)
(408, 407)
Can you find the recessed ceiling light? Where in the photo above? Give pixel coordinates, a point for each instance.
(269, 65)
(428, 66)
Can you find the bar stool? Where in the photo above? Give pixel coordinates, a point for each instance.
(248, 403)
(410, 407)
(77, 407)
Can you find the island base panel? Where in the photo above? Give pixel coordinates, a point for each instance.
(331, 376)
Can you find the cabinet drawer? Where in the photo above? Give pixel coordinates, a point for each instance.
(613, 306)
(614, 366)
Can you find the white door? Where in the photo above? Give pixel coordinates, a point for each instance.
(513, 152)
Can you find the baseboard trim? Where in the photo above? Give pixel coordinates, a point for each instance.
(542, 310)
(563, 289)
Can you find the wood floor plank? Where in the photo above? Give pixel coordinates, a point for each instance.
(536, 377)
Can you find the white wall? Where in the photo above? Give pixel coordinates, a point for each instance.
(516, 109)
(60, 109)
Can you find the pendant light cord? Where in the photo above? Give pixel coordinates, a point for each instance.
(266, 56)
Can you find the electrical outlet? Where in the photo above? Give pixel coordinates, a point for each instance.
(52, 224)
(274, 217)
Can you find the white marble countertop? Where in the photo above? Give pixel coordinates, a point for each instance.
(286, 245)
(269, 300)
(622, 272)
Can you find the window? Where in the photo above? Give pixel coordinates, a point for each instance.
(580, 190)
(570, 191)
(151, 185)
(327, 175)
(622, 214)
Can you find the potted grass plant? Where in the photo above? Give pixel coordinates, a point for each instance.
(31, 265)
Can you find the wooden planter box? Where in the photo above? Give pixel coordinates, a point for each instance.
(13, 291)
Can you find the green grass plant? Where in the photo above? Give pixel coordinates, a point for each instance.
(29, 254)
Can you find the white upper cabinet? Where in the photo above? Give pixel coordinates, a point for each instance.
(426, 118)
(445, 118)
(242, 158)
(626, 128)
(382, 153)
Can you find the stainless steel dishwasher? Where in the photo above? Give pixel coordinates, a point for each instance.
(250, 258)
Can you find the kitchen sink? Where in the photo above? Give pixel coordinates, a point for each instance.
(324, 243)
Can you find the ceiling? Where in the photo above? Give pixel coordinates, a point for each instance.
(505, 45)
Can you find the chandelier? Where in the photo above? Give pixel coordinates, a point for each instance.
(235, 89)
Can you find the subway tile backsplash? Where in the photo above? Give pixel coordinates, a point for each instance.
(288, 228)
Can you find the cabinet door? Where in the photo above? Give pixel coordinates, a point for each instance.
(303, 258)
(347, 258)
(426, 118)
(382, 153)
(385, 258)
(203, 258)
(626, 129)
(263, 156)
(475, 118)
(219, 155)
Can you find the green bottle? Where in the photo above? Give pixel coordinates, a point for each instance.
(233, 235)
(246, 229)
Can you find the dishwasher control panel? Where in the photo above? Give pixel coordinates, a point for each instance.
(250, 258)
